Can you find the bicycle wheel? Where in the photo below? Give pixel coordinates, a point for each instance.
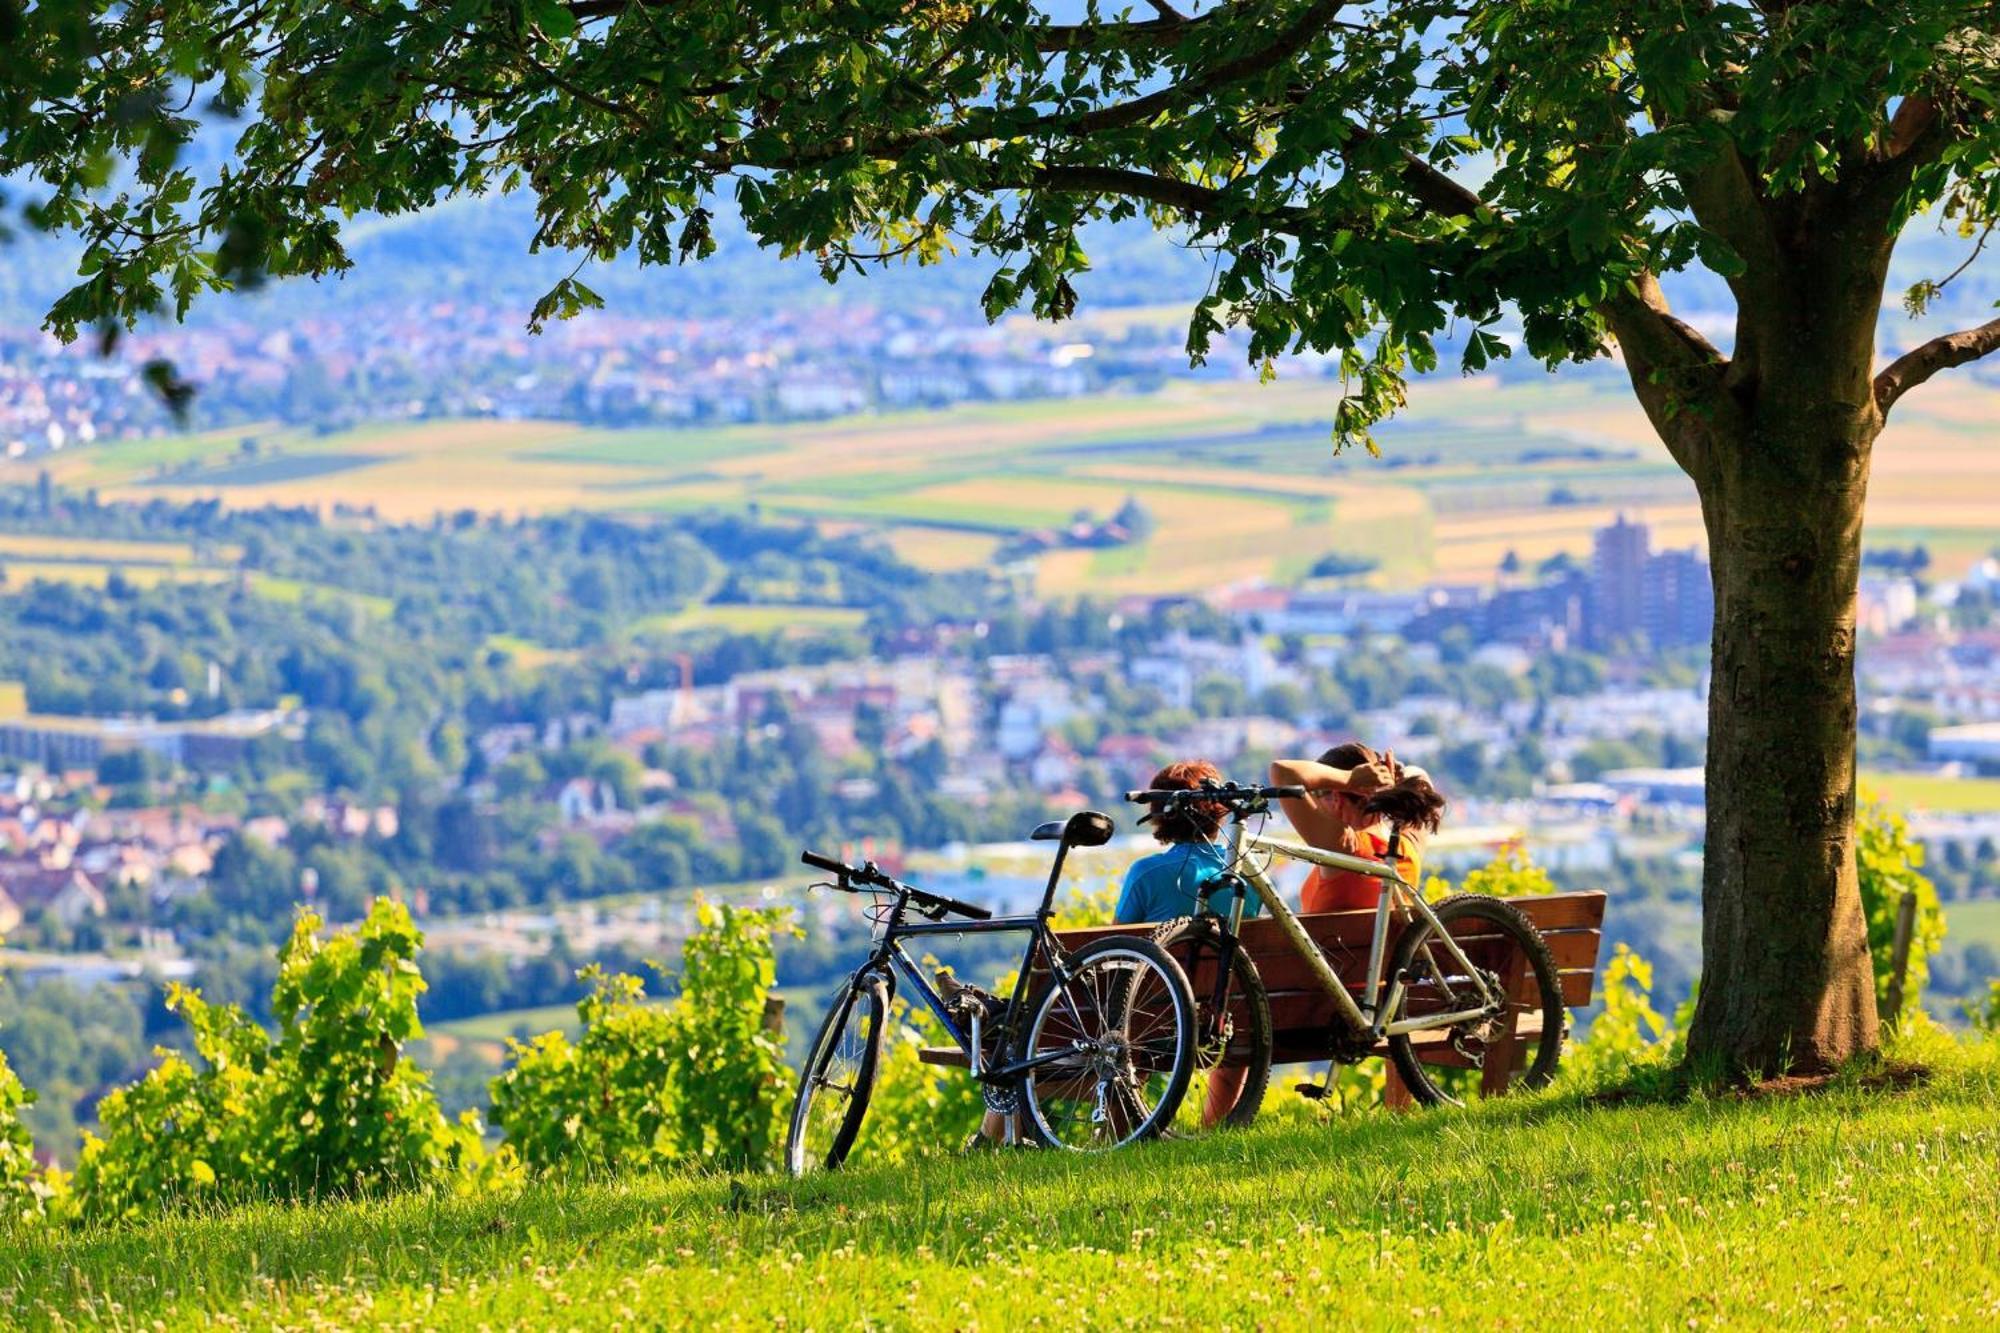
(1505, 946)
(1124, 1027)
(838, 1077)
(1238, 1030)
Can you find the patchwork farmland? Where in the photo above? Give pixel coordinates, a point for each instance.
(1242, 482)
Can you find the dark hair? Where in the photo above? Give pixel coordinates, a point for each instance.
(1348, 754)
(1409, 801)
(1196, 822)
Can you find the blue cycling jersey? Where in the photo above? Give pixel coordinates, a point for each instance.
(1171, 881)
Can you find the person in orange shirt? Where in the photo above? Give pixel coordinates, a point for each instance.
(1354, 798)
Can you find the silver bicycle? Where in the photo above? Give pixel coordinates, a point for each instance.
(1458, 967)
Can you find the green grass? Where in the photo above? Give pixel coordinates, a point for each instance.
(271, 470)
(906, 507)
(1972, 922)
(753, 618)
(1924, 791)
(278, 589)
(651, 448)
(1848, 1207)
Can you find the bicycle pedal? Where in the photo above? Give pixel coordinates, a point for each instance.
(1312, 1092)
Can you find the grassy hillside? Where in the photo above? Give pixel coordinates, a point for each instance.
(1850, 1206)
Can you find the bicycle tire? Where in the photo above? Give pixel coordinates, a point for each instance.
(1194, 935)
(868, 995)
(1107, 991)
(1508, 920)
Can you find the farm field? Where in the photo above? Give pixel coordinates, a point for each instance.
(1973, 922)
(1795, 1211)
(93, 550)
(1241, 479)
(98, 575)
(757, 618)
(1939, 795)
(504, 1023)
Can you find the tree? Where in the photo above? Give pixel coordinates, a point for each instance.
(1370, 178)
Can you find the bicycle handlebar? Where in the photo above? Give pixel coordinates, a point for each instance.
(826, 863)
(1228, 793)
(871, 876)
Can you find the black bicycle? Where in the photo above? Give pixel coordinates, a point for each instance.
(1098, 1056)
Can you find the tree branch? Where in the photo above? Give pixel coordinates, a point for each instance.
(1677, 375)
(1912, 368)
(1050, 38)
(1186, 196)
(1289, 43)
(996, 123)
(1914, 118)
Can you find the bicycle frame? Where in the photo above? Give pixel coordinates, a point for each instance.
(1363, 1016)
(890, 958)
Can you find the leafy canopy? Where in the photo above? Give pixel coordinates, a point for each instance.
(1368, 175)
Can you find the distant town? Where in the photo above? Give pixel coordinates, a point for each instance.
(453, 360)
(1588, 773)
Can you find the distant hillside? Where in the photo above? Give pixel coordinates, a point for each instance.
(477, 250)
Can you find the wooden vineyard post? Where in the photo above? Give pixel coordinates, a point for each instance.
(1899, 957)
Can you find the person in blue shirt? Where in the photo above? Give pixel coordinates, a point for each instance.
(1176, 880)
(1171, 883)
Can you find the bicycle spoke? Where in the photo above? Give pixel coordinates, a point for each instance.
(1127, 1029)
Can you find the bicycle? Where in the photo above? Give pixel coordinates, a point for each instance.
(1099, 1058)
(1433, 984)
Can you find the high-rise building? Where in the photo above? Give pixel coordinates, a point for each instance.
(1618, 581)
(1665, 596)
(1679, 602)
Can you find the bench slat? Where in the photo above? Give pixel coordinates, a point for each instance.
(1353, 930)
(1287, 971)
(1305, 1007)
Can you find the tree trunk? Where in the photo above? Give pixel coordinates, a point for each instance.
(1786, 981)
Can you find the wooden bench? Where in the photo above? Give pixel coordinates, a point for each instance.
(1302, 1014)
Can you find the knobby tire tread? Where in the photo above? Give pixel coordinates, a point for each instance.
(1511, 921)
(1244, 980)
(872, 991)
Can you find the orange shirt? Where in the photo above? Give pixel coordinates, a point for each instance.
(1330, 890)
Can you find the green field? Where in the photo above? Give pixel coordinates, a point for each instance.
(1851, 1207)
(505, 1023)
(1923, 791)
(1973, 923)
(1243, 480)
(757, 618)
(297, 590)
